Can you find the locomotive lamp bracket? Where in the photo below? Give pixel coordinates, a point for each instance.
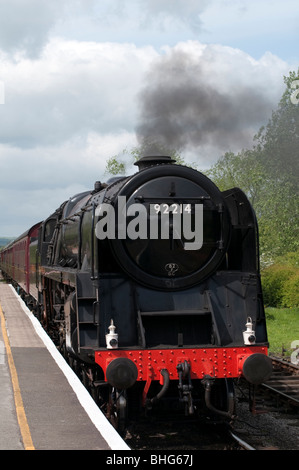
(249, 334)
(112, 337)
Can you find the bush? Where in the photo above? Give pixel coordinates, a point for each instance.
(281, 282)
(289, 259)
(290, 296)
(274, 280)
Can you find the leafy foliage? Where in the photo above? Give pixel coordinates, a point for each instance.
(291, 291)
(269, 174)
(279, 286)
(115, 167)
(281, 281)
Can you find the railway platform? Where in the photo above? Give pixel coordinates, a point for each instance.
(43, 405)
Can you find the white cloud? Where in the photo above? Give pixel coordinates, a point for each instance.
(77, 104)
(256, 25)
(25, 25)
(77, 89)
(34, 182)
(72, 89)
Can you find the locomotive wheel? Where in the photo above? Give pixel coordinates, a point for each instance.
(118, 409)
(223, 395)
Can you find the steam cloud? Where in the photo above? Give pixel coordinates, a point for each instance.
(181, 108)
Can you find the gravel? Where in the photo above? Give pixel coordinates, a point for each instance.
(272, 430)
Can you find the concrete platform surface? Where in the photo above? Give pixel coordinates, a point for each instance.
(43, 405)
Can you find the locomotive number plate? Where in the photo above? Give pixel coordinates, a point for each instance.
(171, 208)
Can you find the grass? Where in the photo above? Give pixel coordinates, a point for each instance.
(283, 329)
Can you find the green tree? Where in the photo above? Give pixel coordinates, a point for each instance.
(278, 152)
(268, 174)
(115, 167)
(239, 170)
(277, 143)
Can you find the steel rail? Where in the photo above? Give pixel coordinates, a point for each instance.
(242, 443)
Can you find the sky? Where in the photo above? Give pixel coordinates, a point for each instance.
(82, 80)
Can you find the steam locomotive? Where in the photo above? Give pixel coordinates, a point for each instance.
(150, 287)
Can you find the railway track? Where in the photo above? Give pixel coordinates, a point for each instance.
(184, 436)
(243, 445)
(268, 417)
(284, 384)
(271, 423)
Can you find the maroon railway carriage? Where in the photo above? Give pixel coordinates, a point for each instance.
(19, 262)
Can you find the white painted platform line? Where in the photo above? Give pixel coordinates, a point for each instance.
(100, 421)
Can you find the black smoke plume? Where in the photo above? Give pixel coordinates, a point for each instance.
(180, 109)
